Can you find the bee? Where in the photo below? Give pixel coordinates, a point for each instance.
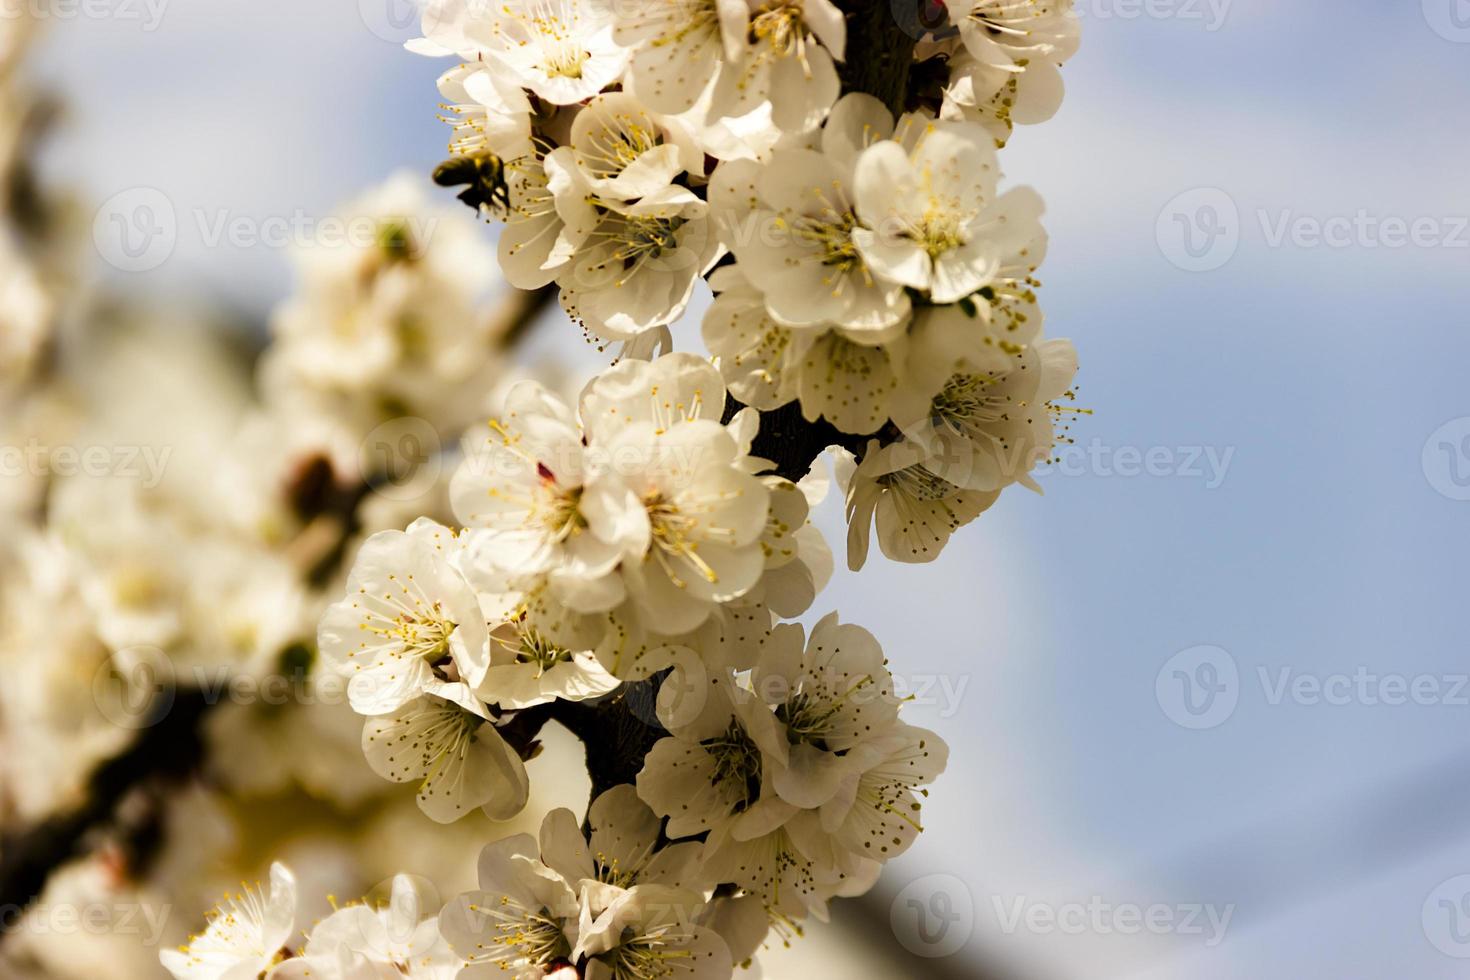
(485, 175)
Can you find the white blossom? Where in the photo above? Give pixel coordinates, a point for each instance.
(703, 513)
(1006, 73)
(549, 219)
(523, 919)
(914, 510)
(363, 942)
(830, 698)
(637, 269)
(535, 489)
(622, 850)
(1017, 32)
(444, 741)
(245, 936)
(784, 55)
(790, 223)
(678, 46)
(540, 652)
(562, 50)
(409, 619)
(387, 313)
(489, 113)
(927, 212)
(649, 931)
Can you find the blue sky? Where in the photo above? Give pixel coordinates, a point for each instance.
(1325, 549)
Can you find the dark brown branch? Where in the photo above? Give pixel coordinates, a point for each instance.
(618, 732)
(168, 751)
(880, 50)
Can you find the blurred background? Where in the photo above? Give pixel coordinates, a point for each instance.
(1207, 698)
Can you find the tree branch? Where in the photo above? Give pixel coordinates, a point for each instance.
(169, 750)
(880, 50)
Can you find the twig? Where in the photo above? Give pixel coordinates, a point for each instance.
(169, 750)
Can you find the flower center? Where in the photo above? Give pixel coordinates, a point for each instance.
(650, 955)
(524, 936)
(831, 232)
(537, 649)
(624, 139)
(919, 483)
(674, 537)
(968, 401)
(646, 237)
(420, 630)
(778, 26)
(737, 764)
(565, 58)
(560, 511)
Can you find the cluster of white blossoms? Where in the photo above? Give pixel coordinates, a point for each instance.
(881, 278)
(249, 936)
(389, 320)
(593, 548)
(627, 562)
